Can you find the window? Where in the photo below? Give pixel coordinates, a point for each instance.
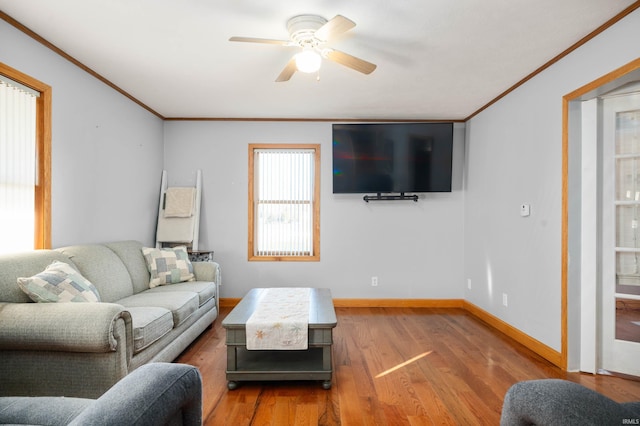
(284, 202)
(25, 162)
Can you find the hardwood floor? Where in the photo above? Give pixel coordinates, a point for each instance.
(392, 366)
(628, 319)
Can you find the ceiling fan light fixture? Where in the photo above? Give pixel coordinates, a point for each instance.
(308, 60)
(312, 33)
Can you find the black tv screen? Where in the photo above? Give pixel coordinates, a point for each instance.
(392, 157)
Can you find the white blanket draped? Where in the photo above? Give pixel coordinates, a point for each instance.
(281, 320)
(179, 202)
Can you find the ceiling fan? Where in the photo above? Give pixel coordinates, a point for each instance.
(311, 33)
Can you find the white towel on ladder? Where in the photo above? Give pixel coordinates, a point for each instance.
(179, 202)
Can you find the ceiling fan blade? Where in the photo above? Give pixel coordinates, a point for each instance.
(349, 61)
(288, 71)
(336, 25)
(262, 40)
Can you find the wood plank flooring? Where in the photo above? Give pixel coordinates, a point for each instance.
(392, 366)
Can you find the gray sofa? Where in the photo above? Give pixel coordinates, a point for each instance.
(563, 403)
(82, 349)
(154, 394)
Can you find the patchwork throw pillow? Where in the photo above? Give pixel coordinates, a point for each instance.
(59, 282)
(168, 265)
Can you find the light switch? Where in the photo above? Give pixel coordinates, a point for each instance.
(525, 210)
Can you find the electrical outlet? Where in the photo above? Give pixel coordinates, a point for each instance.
(469, 283)
(374, 281)
(504, 299)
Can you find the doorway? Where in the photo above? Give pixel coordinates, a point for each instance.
(583, 269)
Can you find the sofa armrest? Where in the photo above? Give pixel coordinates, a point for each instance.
(153, 394)
(207, 271)
(556, 401)
(70, 327)
(70, 349)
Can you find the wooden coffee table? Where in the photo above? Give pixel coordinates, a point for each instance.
(313, 363)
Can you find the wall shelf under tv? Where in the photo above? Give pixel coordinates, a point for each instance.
(380, 197)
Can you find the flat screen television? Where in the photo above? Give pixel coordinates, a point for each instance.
(392, 157)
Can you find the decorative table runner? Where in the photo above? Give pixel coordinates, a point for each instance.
(281, 320)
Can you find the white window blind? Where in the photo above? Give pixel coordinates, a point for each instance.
(17, 166)
(284, 180)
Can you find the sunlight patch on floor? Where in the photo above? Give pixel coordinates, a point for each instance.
(399, 366)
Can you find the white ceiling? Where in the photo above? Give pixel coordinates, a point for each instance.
(437, 59)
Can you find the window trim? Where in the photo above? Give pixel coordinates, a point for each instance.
(42, 225)
(316, 204)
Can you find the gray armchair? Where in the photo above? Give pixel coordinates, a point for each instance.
(560, 402)
(153, 394)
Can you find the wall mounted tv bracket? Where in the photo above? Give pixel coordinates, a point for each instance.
(380, 197)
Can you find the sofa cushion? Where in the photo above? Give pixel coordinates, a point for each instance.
(130, 252)
(103, 268)
(149, 324)
(206, 290)
(181, 303)
(168, 265)
(59, 282)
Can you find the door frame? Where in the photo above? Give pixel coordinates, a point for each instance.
(576, 336)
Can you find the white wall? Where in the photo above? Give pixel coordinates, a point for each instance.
(514, 154)
(106, 150)
(415, 249)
